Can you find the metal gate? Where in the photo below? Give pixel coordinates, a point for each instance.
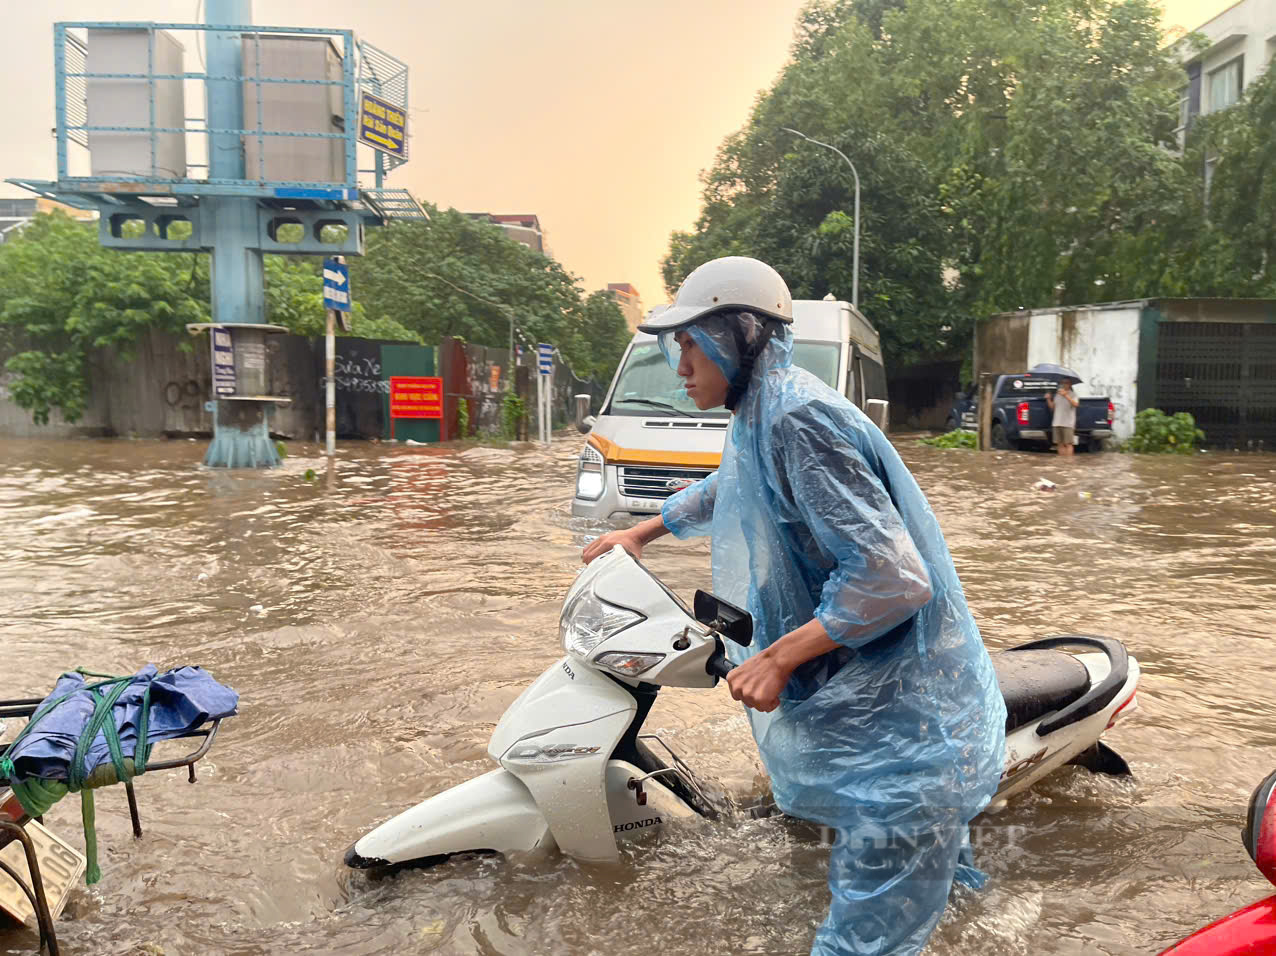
(1224, 373)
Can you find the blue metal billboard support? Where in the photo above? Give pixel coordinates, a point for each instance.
(237, 212)
(241, 432)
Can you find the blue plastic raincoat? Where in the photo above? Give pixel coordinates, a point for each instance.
(896, 739)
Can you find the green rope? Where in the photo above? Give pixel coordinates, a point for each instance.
(37, 796)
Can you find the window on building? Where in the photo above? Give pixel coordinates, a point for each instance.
(1180, 133)
(1225, 84)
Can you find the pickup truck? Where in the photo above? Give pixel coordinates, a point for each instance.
(965, 411)
(1021, 416)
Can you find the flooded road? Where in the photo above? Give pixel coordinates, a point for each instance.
(378, 619)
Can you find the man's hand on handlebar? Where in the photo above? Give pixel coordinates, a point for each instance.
(758, 681)
(627, 539)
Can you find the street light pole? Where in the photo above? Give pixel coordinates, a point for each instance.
(855, 266)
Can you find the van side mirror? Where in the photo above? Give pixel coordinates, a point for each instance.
(584, 420)
(878, 411)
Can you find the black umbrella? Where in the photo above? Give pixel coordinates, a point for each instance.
(1048, 368)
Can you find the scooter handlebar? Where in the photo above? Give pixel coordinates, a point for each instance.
(718, 665)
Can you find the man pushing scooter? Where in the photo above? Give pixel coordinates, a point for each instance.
(870, 694)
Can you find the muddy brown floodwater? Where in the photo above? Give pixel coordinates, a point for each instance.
(377, 621)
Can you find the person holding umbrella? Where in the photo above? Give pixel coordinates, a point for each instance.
(1063, 405)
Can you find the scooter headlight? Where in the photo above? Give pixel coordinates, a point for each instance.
(587, 621)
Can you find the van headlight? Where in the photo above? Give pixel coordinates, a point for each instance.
(587, 621)
(590, 480)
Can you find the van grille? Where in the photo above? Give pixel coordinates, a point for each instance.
(639, 482)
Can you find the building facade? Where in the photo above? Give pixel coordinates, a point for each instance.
(1241, 42)
(1214, 358)
(16, 213)
(630, 303)
(521, 227)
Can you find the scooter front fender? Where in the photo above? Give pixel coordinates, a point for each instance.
(557, 738)
(492, 812)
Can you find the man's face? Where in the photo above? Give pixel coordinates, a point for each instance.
(703, 380)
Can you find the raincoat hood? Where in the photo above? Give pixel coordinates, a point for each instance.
(724, 335)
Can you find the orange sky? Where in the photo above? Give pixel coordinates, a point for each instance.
(597, 115)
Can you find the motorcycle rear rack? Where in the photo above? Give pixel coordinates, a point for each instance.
(12, 826)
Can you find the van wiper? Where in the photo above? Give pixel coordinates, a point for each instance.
(653, 404)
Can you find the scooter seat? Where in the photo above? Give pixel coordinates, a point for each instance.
(1036, 683)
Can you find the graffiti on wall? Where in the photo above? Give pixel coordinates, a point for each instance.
(357, 374)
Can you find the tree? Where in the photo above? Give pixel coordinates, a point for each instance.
(1226, 234)
(456, 276)
(1010, 154)
(63, 296)
(294, 299)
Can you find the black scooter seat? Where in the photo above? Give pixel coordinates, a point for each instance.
(1036, 683)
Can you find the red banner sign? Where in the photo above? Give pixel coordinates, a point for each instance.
(414, 397)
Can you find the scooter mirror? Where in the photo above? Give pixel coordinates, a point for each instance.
(723, 617)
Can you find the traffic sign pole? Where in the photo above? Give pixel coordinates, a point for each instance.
(336, 297)
(544, 389)
(330, 400)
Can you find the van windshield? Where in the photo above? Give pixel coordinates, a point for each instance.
(647, 386)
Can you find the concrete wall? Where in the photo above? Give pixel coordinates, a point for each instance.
(158, 390)
(1102, 345)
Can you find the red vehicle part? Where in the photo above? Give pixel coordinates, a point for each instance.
(1252, 930)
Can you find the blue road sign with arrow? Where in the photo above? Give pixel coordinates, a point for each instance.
(336, 285)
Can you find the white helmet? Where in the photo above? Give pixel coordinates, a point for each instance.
(729, 284)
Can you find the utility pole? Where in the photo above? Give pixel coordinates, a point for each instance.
(241, 433)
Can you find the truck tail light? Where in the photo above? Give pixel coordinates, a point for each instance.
(1022, 413)
(1111, 412)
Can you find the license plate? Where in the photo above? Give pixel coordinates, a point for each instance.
(61, 867)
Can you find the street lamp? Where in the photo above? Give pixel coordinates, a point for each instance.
(855, 266)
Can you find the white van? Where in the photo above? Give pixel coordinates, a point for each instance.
(649, 439)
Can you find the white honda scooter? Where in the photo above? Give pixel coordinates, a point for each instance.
(577, 772)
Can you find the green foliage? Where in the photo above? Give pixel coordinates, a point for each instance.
(456, 276)
(463, 418)
(62, 296)
(953, 439)
(1227, 234)
(513, 413)
(294, 299)
(1156, 432)
(1017, 154)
